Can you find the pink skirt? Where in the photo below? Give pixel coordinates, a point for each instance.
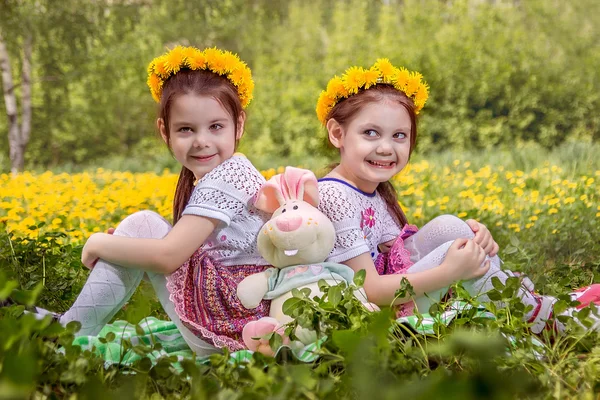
(397, 261)
(205, 298)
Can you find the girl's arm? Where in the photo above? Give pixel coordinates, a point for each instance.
(463, 261)
(159, 255)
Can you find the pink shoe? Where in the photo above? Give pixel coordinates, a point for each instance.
(587, 295)
(260, 328)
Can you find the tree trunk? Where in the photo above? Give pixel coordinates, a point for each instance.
(10, 100)
(25, 99)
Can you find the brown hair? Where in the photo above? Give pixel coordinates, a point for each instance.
(344, 111)
(204, 83)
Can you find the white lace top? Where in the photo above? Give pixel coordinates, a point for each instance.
(361, 220)
(227, 194)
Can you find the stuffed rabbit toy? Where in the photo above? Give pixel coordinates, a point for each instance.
(296, 239)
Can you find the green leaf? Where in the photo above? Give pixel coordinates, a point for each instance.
(559, 307)
(514, 241)
(290, 305)
(346, 340)
(497, 284)
(494, 295)
(510, 250)
(334, 295)
(139, 330)
(144, 364)
(7, 288)
(359, 278)
(276, 341)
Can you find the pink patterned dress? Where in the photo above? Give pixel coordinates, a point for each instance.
(203, 290)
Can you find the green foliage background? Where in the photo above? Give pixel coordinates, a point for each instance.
(502, 73)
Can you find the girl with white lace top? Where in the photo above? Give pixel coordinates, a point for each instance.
(195, 265)
(370, 116)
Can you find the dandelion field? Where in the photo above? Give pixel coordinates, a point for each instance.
(545, 215)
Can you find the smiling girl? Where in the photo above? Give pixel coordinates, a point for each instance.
(371, 117)
(195, 265)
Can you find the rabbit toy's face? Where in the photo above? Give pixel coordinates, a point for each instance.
(297, 233)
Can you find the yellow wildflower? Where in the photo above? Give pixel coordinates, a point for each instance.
(354, 79)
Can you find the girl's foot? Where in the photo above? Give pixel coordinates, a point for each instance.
(586, 296)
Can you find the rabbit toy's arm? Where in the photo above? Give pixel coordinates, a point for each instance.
(253, 288)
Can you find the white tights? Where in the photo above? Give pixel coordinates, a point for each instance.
(428, 248)
(110, 286)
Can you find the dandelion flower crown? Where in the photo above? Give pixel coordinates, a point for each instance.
(220, 62)
(382, 72)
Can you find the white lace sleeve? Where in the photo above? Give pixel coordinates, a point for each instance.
(226, 191)
(338, 205)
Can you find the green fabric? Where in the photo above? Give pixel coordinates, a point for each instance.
(172, 343)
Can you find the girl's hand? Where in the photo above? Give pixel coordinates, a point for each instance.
(88, 255)
(483, 237)
(464, 260)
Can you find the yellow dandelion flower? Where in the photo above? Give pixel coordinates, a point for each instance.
(401, 78)
(371, 76)
(552, 211)
(159, 66)
(336, 89)
(195, 60)
(229, 61)
(354, 79)
(155, 85)
(189, 52)
(174, 60)
(324, 106)
(151, 67)
(421, 96)
(412, 84)
(385, 68)
(216, 61)
(237, 77)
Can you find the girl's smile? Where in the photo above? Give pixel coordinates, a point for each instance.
(374, 145)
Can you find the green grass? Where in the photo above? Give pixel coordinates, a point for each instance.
(365, 355)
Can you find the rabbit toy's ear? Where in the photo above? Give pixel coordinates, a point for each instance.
(270, 196)
(301, 184)
(293, 184)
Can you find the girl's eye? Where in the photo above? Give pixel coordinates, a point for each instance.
(400, 135)
(370, 133)
(185, 129)
(215, 127)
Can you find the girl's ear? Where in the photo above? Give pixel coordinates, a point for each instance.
(240, 125)
(160, 124)
(335, 132)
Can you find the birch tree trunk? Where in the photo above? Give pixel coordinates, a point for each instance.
(18, 136)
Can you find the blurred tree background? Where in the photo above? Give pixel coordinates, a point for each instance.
(502, 73)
